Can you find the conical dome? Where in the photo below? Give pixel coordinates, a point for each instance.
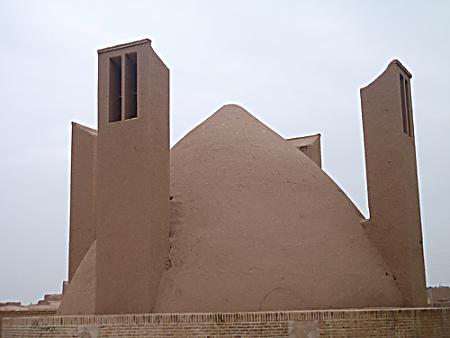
(256, 225)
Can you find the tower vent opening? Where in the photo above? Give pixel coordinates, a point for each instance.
(131, 86)
(115, 89)
(405, 96)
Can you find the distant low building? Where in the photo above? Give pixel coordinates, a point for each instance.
(50, 302)
(45, 307)
(439, 296)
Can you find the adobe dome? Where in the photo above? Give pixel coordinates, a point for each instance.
(256, 225)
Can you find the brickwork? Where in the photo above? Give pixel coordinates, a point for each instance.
(413, 322)
(28, 313)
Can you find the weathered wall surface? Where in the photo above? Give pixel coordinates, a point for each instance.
(394, 226)
(79, 298)
(419, 322)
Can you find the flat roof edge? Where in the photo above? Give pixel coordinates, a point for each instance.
(124, 45)
(303, 137)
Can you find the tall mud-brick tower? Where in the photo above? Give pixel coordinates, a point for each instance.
(394, 226)
(131, 177)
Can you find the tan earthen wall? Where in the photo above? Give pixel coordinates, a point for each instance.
(82, 208)
(414, 322)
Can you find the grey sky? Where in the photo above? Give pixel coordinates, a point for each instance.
(296, 65)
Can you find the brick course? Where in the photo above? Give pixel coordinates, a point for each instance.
(411, 322)
(28, 313)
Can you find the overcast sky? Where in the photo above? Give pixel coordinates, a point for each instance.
(296, 65)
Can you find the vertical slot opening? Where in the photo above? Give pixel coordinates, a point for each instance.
(115, 89)
(408, 108)
(131, 86)
(403, 98)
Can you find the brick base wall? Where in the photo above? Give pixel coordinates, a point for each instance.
(13, 314)
(413, 322)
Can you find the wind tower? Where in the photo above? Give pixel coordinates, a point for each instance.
(394, 226)
(132, 177)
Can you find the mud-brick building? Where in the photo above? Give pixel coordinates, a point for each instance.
(236, 223)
